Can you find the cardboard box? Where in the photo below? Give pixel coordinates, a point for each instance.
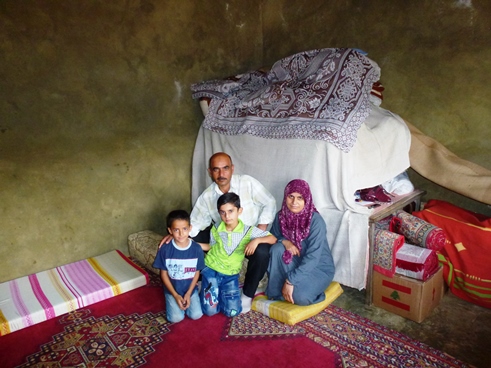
(407, 297)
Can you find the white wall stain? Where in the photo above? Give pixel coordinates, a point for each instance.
(178, 86)
(284, 23)
(467, 5)
(463, 4)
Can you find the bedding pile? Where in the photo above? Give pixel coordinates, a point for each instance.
(407, 247)
(312, 116)
(38, 297)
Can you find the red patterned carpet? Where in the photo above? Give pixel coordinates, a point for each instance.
(130, 330)
(359, 341)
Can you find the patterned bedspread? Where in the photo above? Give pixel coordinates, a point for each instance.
(38, 297)
(319, 94)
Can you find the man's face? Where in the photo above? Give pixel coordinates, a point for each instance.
(221, 170)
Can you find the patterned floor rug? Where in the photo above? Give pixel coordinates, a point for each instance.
(258, 326)
(120, 341)
(359, 341)
(130, 331)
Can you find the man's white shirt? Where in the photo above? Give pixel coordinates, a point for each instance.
(259, 206)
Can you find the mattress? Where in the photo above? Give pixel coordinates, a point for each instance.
(38, 297)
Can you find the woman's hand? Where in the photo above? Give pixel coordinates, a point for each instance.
(289, 246)
(287, 291)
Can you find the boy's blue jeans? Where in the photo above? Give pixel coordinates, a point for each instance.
(219, 293)
(174, 314)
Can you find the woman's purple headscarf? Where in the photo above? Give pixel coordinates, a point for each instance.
(296, 226)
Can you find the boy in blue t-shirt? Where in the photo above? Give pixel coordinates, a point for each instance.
(180, 265)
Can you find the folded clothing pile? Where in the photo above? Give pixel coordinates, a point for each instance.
(416, 262)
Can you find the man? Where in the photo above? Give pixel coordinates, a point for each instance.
(259, 209)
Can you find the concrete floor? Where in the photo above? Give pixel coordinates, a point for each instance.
(457, 327)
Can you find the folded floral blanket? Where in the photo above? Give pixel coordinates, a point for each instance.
(385, 249)
(321, 94)
(418, 231)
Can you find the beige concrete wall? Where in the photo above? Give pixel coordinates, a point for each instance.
(435, 58)
(97, 124)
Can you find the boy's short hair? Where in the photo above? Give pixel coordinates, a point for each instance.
(177, 215)
(229, 197)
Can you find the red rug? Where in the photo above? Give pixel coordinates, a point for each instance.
(359, 341)
(130, 330)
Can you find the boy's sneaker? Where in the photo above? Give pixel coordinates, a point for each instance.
(246, 303)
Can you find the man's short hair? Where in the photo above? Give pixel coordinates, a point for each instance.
(216, 154)
(177, 215)
(229, 197)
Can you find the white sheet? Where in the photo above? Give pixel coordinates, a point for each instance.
(380, 153)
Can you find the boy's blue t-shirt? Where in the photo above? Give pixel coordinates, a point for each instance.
(181, 264)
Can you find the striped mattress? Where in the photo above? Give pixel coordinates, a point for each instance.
(38, 297)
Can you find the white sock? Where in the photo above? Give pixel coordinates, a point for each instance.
(246, 303)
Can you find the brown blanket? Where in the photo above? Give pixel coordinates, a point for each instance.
(435, 162)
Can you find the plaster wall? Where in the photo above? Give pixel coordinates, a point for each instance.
(97, 124)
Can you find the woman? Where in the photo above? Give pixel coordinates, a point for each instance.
(301, 265)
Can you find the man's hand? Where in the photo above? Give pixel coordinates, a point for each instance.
(287, 291)
(251, 247)
(166, 240)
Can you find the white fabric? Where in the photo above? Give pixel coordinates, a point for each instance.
(399, 185)
(380, 153)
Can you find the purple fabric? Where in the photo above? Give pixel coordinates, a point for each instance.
(296, 226)
(321, 94)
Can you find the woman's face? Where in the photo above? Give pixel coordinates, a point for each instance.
(295, 202)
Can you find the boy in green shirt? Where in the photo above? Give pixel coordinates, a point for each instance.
(230, 241)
